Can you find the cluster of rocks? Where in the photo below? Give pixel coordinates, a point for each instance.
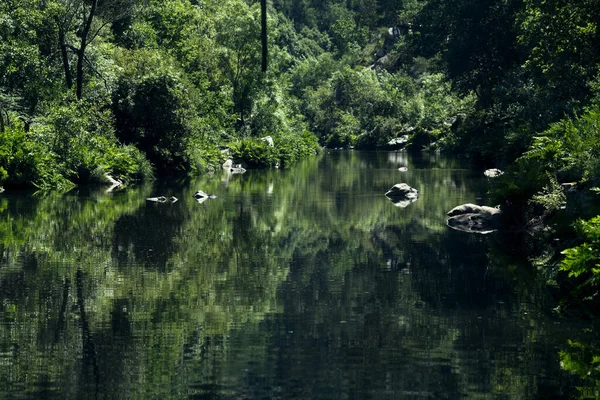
(162, 199)
(199, 196)
(471, 218)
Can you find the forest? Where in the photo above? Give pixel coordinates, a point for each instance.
(146, 88)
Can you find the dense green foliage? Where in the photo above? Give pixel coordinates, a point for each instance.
(583, 261)
(183, 79)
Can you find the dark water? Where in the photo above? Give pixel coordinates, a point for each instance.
(298, 284)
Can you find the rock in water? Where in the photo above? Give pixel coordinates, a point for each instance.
(472, 218)
(402, 195)
(402, 191)
(201, 196)
(160, 199)
(493, 173)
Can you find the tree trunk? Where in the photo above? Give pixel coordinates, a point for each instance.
(81, 53)
(65, 58)
(263, 23)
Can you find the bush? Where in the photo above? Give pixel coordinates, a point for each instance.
(287, 149)
(295, 147)
(72, 144)
(81, 139)
(19, 159)
(255, 153)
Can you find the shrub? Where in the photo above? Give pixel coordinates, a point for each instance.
(19, 159)
(255, 153)
(295, 147)
(82, 141)
(287, 149)
(584, 258)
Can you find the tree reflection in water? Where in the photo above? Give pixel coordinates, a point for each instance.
(300, 283)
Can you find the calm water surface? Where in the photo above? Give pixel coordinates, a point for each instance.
(305, 283)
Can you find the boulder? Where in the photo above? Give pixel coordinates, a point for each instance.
(493, 173)
(472, 218)
(399, 141)
(402, 169)
(237, 170)
(402, 191)
(1, 189)
(473, 209)
(402, 195)
(203, 195)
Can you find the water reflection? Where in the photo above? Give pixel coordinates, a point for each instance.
(302, 283)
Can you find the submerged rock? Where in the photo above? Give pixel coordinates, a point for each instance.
(472, 218)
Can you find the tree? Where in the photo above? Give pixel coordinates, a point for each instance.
(561, 39)
(263, 35)
(80, 17)
(239, 30)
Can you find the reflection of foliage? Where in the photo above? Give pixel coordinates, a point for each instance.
(308, 271)
(584, 361)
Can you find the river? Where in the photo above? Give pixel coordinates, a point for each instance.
(304, 283)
